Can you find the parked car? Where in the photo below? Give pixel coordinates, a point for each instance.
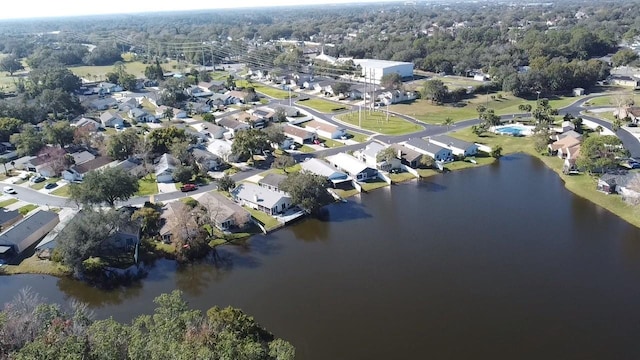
(38, 179)
(188, 187)
(50, 186)
(9, 190)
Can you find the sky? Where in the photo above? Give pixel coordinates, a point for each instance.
(56, 8)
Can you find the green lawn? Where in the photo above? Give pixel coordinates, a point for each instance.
(377, 121)
(431, 113)
(358, 137)
(27, 208)
(582, 185)
(266, 90)
(7, 202)
(40, 185)
(610, 100)
(266, 220)
(292, 169)
(34, 265)
(330, 143)
(373, 185)
(401, 177)
(306, 149)
(135, 68)
(219, 75)
(321, 105)
(147, 186)
(346, 193)
(63, 191)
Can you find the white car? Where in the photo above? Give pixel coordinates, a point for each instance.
(9, 190)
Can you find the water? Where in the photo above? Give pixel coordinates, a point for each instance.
(490, 263)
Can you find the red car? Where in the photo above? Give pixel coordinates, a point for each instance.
(188, 187)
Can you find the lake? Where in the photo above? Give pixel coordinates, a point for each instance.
(495, 262)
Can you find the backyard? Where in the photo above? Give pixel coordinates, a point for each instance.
(269, 222)
(377, 121)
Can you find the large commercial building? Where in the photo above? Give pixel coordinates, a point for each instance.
(376, 69)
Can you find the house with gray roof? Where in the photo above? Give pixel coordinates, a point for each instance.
(352, 166)
(224, 212)
(437, 152)
(407, 156)
(140, 115)
(86, 123)
(111, 119)
(21, 236)
(260, 198)
(233, 125)
(369, 155)
(165, 167)
(457, 147)
(206, 160)
(319, 167)
(272, 181)
(103, 104)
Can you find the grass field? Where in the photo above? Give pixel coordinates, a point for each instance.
(63, 191)
(401, 177)
(306, 149)
(292, 169)
(147, 186)
(377, 121)
(373, 185)
(321, 105)
(135, 68)
(8, 202)
(330, 143)
(346, 193)
(358, 137)
(610, 100)
(266, 90)
(266, 220)
(219, 75)
(582, 185)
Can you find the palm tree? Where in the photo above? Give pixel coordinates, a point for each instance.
(448, 122)
(4, 162)
(599, 129)
(616, 125)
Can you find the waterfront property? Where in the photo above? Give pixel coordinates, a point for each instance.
(225, 213)
(272, 181)
(369, 155)
(458, 147)
(352, 166)
(408, 157)
(319, 167)
(626, 184)
(259, 198)
(562, 147)
(21, 236)
(434, 151)
(178, 222)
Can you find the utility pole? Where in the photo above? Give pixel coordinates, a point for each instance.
(387, 112)
(360, 116)
(289, 96)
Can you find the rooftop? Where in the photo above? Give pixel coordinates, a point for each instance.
(257, 195)
(347, 163)
(451, 141)
(273, 180)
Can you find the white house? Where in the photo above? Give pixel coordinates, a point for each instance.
(164, 168)
(376, 69)
(396, 96)
(140, 115)
(457, 147)
(319, 167)
(352, 166)
(103, 104)
(298, 134)
(369, 155)
(325, 130)
(437, 152)
(111, 119)
(108, 88)
(260, 198)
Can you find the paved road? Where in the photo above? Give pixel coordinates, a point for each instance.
(630, 142)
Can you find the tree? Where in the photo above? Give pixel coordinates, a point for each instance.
(283, 162)
(150, 218)
(496, 152)
(247, 142)
(616, 125)
(4, 162)
(183, 173)
(307, 190)
(340, 88)
(386, 155)
(448, 122)
(104, 186)
(541, 139)
(56, 158)
(28, 141)
(122, 145)
(168, 113)
(600, 153)
(543, 113)
(490, 118)
(208, 117)
(525, 107)
(392, 81)
(621, 58)
(60, 133)
(275, 134)
(154, 72)
(8, 127)
(434, 90)
(577, 124)
(83, 237)
(426, 161)
(226, 183)
(478, 130)
(161, 139)
(11, 64)
(280, 115)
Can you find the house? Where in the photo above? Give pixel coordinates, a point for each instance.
(396, 96)
(154, 98)
(272, 181)
(103, 104)
(565, 126)
(86, 123)
(213, 131)
(9, 217)
(165, 167)
(212, 86)
(21, 236)
(625, 184)
(299, 135)
(352, 166)
(108, 88)
(222, 99)
(631, 112)
(232, 125)
(458, 147)
(325, 87)
(369, 155)
(578, 91)
(127, 104)
(264, 113)
(252, 120)
(222, 149)
(141, 116)
(624, 80)
(132, 165)
(319, 167)
(437, 152)
(408, 157)
(237, 96)
(225, 213)
(71, 175)
(570, 160)
(571, 133)
(325, 129)
(562, 146)
(199, 107)
(93, 164)
(207, 160)
(111, 119)
(260, 198)
(178, 222)
(177, 113)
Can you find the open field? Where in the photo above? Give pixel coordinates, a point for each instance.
(266, 90)
(611, 100)
(401, 177)
(431, 113)
(377, 121)
(135, 68)
(321, 105)
(582, 185)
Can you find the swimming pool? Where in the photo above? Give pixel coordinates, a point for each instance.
(513, 130)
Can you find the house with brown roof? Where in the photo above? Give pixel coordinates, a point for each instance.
(299, 135)
(562, 146)
(325, 129)
(407, 156)
(178, 221)
(224, 213)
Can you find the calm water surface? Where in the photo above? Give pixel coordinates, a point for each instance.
(491, 263)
